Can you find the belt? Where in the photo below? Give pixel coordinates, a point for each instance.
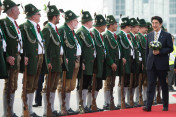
(40, 54)
(60, 56)
(77, 58)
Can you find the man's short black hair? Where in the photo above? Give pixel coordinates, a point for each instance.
(108, 26)
(50, 18)
(157, 18)
(45, 23)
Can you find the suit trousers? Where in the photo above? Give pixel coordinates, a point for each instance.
(153, 74)
(32, 80)
(38, 96)
(14, 80)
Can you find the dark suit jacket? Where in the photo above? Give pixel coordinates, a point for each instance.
(161, 61)
(175, 63)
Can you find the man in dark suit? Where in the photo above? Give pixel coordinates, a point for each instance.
(157, 62)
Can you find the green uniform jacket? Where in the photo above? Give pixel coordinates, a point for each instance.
(142, 49)
(136, 52)
(12, 39)
(112, 49)
(87, 54)
(100, 57)
(52, 47)
(3, 69)
(30, 46)
(125, 51)
(70, 47)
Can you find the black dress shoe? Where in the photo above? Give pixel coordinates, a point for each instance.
(86, 109)
(128, 106)
(137, 105)
(34, 115)
(165, 108)
(55, 113)
(14, 115)
(36, 105)
(117, 107)
(146, 109)
(106, 107)
(71, 112)
(99, 109)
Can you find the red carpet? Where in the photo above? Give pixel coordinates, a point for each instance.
(174, 95)
(134, 112)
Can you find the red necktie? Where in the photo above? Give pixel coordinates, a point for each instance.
(115, 36)
(73, 34)
(17, 27)
(57, 30)
(145, 37)
(38, 28)
(91, 34)
(101, 37)
(128, 35)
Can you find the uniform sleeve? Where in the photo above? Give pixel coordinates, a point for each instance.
(46, 37)
(169, 45)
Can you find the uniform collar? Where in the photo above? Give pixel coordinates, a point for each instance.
(133, 34)
(52, 25)
(124, 33)
(86, 28)
(158, 32)
(97, 30)
(11, 19)
(35, 24)
(110, 32)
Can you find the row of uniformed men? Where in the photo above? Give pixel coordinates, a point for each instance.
(123, 53)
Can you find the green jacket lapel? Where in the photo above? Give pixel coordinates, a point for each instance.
(9, 22)
(111, 35)
(98, 36)
(88, 34)
(54, 32)
(32, 28)
(70, 33)
(143, 38)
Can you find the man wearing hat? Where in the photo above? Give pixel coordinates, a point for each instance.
(13, 49)
(150, 29)
(72, 48)
(134, 77)
(142, 63)
(112, 59)
(99, 27)
(88, 54)
(34, 50)
(127, 57)
(54, 54)
(3, 70)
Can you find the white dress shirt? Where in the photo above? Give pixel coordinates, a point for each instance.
(157, 34)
